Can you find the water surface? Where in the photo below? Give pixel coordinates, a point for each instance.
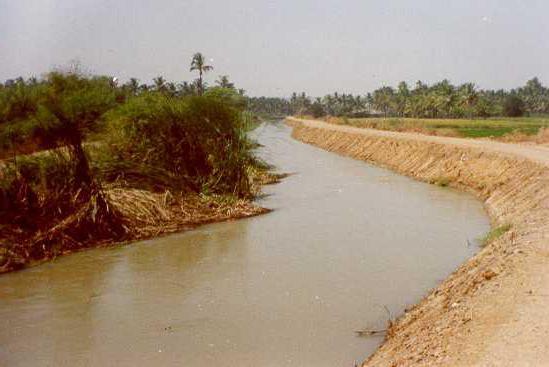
(346, 241)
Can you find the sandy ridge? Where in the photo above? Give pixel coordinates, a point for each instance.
(494, 309)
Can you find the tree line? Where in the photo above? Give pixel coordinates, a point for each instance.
(439, 100)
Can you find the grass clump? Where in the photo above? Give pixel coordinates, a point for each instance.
(440, 181)
(494, 234)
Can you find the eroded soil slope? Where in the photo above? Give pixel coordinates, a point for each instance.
(494, 309)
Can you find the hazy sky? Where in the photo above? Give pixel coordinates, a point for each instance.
(276, 47)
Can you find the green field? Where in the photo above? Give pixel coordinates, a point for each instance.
(478, 128)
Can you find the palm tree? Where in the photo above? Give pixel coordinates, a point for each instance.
(170, 89)
(133, 86)
(403, 93)
(199, 63)
(186, 89)
(469, 97)
(534, 95)
(224, 82)
(159, 84)
(383, 99)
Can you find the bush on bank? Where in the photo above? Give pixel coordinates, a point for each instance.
(52, 200)
(199, 142)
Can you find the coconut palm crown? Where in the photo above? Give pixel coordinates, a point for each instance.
(198, 63)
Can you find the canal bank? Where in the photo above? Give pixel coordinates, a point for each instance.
(493, 309)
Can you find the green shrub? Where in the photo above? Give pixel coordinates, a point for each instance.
(441, 181)
(494, 234)
(227, 95)
(200, 141)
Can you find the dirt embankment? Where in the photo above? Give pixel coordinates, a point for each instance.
(494, 309)
(142, 214)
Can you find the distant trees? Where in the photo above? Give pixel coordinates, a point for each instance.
(468, 98)
(513, 106)
(535, 97)
(198, 63)
(132, 86)
(384, 100)
(343, 104)
(316, 108)
(224, 82)
(187, 89)
(401, 98)
(300, 104)
(269, 106)
(159, 84)
(440, 100)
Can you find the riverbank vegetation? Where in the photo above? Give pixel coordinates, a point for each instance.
(87, 162)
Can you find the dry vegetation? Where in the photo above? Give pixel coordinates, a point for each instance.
(119, 214)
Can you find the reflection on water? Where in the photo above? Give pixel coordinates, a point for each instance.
(287, 288)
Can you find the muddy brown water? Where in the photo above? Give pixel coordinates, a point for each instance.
(346, 242)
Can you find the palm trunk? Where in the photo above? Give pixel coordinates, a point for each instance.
(200, 86)
(82, 171)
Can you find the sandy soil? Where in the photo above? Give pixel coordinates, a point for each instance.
(494, 309)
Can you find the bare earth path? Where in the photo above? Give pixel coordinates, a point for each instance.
(494, 309)
(532, 152)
